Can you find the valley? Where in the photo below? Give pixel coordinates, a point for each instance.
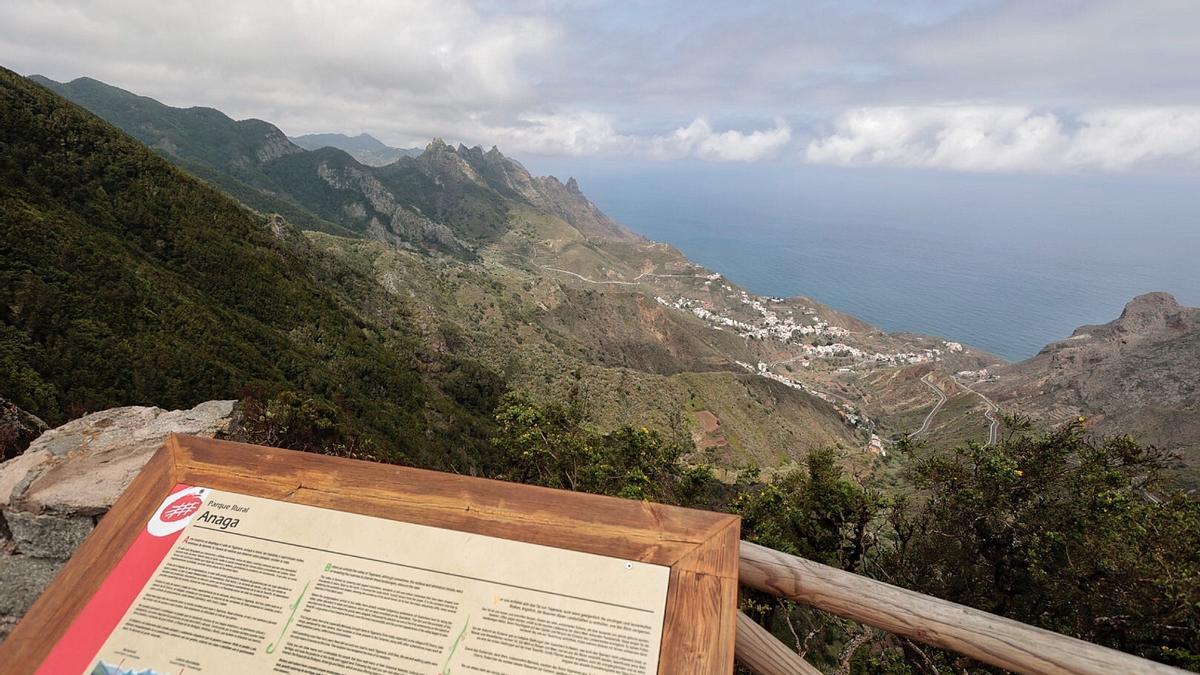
(528, 277)
(868, 332)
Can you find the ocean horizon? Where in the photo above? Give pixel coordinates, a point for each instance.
(1003, 263)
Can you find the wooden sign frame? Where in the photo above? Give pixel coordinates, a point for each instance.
(700, 547)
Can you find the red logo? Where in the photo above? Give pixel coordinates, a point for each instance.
(181, 508)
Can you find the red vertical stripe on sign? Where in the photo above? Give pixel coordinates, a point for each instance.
(99, 618)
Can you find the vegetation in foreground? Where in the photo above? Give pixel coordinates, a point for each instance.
(1054, 529)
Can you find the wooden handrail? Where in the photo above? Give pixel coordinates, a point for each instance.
(985, 637)
(759, 651)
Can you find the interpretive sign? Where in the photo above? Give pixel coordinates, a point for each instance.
(231, 558)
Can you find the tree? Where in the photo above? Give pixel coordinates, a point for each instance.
(816, 513)
(1058, 530)
(550, 445)
(820, 514)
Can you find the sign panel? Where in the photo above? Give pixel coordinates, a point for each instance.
(220, 582)
(224, 557)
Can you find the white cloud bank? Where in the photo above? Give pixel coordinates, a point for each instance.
(1011, 138)
(699, 140)
(561, 79)
(582, 134)
(405, 70)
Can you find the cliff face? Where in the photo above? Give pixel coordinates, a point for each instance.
(1137, 375)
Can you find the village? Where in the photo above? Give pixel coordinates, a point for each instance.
(813, 342)
(815, 338)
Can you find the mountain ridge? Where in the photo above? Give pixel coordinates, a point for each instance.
(475, 205)
(364, 147)
(1138, 374)
(624, 302)
(524, 327)
(442, 200)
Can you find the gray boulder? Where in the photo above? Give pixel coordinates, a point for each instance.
(52, 495)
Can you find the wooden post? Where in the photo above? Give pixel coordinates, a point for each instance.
(759, 651)
(989, 638)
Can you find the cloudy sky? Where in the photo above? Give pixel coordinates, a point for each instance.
(993, 86)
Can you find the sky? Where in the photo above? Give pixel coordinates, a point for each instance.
(961, 85)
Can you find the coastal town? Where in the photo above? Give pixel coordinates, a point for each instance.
(805, 346)
(812, 335)
(802, 347)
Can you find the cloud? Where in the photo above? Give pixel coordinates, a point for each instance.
(406, 70)
(699, 140)
(585, 134)
(1119, 139)
(666, 80)
(383, 64)
(1010, 138)
(575, 134)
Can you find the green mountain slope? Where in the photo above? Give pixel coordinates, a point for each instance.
(443, 200)
(396, 342)
(124, 281)
(228, 153)
(624, 309)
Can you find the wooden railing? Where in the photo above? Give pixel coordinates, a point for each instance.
(985, 637)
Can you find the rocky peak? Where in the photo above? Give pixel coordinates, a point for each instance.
(1149, 308)
(573, 187)
(503, 174)
(439, 159)
(1147, 312)
(473, 155)
(1145, 315)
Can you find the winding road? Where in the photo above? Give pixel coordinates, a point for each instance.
(936, 407)
(990, 413)
(636, 280)
(590, 281)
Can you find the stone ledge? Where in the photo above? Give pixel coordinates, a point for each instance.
(81, 467)
(47, 536)
(51, 495)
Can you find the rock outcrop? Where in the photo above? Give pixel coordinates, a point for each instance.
(1138, 374)
(52, 495)
(17, 429)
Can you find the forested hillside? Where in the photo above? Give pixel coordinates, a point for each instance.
(126, 281)
(444, 200)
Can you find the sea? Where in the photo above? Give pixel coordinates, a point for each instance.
(1006, 263)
